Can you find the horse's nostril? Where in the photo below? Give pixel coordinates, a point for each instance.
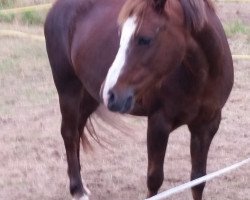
(111, 98)
(112, 101)
(119, 103)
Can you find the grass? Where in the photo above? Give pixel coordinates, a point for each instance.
(31, 17)
(236, 27)
(25, 75)
(19, 3)
(7, 3)
(8, 18)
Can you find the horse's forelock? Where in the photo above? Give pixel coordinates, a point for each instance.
(194, 13)
(132, 7)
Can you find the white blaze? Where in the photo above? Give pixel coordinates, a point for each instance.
(115, 70)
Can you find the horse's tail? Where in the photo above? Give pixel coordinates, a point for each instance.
(102, 121)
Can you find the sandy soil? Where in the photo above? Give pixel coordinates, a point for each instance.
(33, 164)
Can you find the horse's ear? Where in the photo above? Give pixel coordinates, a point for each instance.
(159, 5)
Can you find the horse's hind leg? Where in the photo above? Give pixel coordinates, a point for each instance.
(72, 97)
(69, 99)
(157, 139)
(87, 106)
(202, 133)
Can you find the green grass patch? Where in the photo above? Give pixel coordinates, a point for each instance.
(8, 18)
(32, 17)
(236, 27)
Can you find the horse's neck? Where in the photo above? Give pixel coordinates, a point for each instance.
(211, 44)
(195, 61)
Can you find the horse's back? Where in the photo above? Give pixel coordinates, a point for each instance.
(60, 22)
(58, 30)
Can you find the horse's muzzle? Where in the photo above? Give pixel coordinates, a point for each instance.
(121, 102)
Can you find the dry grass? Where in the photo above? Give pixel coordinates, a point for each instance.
(33, 164)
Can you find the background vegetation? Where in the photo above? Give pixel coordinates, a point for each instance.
(30, 17)
(236, 27)
(19, 3)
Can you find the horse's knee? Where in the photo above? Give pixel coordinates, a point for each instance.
(154, 181)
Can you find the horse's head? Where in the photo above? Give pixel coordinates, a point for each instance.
(153, 42)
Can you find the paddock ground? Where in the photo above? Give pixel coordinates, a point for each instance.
(32, 155)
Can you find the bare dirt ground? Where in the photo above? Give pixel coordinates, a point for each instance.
(32, 155)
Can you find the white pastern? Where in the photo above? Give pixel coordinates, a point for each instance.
(84, 197)
(115, 70)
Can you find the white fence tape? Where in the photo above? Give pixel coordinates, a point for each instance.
(198, 181)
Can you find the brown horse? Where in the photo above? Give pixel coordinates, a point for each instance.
(165, 59)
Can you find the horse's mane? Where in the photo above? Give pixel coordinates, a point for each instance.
(193, 10)
(195, 13)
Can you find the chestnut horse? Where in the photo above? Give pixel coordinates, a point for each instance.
(168, 60)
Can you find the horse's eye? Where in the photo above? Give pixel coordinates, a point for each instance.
(144, 41)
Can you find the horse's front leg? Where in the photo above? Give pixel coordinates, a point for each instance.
(157, 139)
(202, 132)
